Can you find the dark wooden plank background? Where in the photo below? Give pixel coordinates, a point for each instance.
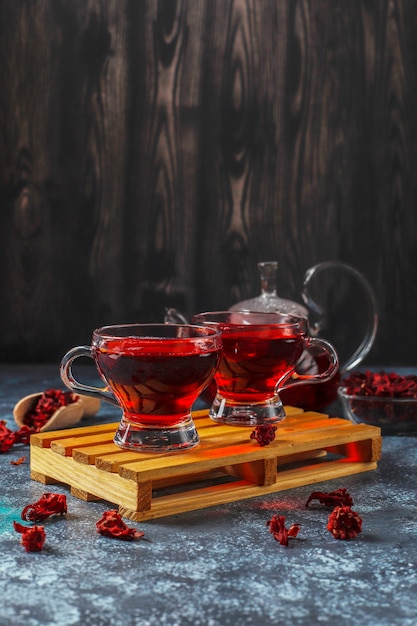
(152, 153)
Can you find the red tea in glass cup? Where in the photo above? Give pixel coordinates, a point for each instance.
(259, 355)
(154, 373)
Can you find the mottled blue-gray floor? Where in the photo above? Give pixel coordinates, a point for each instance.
(215, 567)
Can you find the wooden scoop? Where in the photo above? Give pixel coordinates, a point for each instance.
(64, 417)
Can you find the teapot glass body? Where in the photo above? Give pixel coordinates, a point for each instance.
(308, 396)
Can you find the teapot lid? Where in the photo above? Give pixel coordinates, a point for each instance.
(268, 300)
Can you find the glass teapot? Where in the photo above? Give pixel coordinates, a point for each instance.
(317, 396)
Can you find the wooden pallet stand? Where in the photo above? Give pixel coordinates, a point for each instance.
(226, 466)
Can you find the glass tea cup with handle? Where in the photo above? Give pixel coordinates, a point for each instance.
(332, 292)
(259, 355)
(153, 373)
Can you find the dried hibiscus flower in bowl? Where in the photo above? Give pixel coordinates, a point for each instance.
(384, 399)
(53, 409)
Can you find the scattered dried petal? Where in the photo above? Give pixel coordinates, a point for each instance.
(279, 531)
(344, 523)
(339, 497)
(112, 525)
(19, 461)
(264, 434)
(47, 505)
(33, 537)
(7, 437)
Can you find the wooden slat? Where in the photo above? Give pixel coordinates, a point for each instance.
(108, 457)
(86, 451)
(65, 446)
(44, 440)
(203, 458)
(88, 454)
(221, 494)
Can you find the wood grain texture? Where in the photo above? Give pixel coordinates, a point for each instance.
(152, 152)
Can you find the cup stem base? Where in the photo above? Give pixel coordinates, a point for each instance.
(228, 412)
(131, 435)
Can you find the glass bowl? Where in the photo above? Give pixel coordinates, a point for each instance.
(395, 416)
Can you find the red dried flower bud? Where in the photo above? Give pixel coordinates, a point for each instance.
(264, 434)
(112, 525)
(47, 505)
(279, 531)
(339, 497)
(33, 537)
(344, 523)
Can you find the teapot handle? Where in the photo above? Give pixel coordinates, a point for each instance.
(369, 338)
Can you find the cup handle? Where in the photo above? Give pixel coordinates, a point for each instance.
(322, 347)
(70, 381)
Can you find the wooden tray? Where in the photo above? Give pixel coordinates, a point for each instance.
(226, 466)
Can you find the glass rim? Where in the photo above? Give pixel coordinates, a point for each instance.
(108, 331)
(290, 320)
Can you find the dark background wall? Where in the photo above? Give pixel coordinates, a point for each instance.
(151, 153)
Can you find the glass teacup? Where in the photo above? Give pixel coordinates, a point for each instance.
(259, 355)
(154, 373)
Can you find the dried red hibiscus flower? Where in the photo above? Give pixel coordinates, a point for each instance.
(23, 434)
(49, 402)
(279, 531)
(112, 525)
(33, 537)
(381, 384)
(344, 523)
(8, 438)
(385, 387)
(47, 505)
(339, 497)
(264, 434)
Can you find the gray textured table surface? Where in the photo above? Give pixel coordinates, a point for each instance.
(217, 566)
